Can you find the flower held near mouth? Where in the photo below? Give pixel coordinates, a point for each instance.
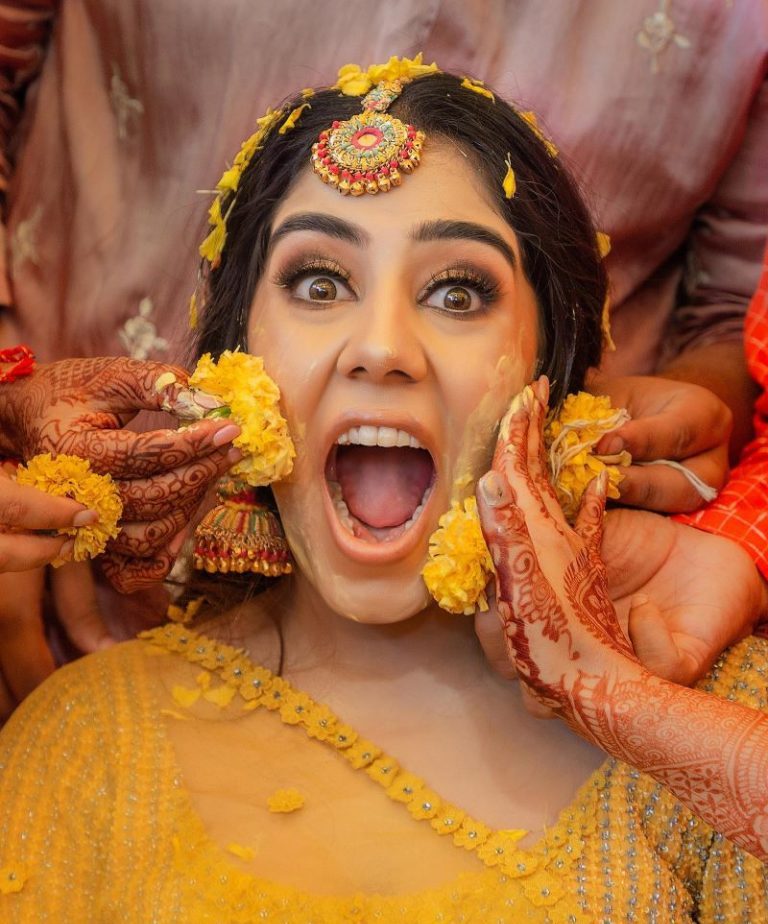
(70, 476)
(240, 382)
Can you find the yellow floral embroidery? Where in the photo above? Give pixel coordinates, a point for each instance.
(471, 834)
(498, 847)
(448, 819)
(383, 770)
(426, 804)
(294, 706)
(245, 853)
(509, 183)
(70, 476)
(292, 119)
(405, 787)
(13, 878)
(362, 753)
(478, 86)
(320, 723)
(354, 81)
(459, 565)
(285, 800)
(582, 422)
(241, 383)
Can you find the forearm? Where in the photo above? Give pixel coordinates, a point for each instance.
(722, 369)
(711, 753)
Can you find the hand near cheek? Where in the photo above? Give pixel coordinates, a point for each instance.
(671, 420)
(81, 406)
(559, 626)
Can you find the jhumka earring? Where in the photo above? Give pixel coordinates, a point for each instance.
(367, 153)
(241, 534)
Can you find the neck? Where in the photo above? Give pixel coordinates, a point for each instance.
(319, 641)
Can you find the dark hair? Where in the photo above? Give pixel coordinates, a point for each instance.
(557, 238)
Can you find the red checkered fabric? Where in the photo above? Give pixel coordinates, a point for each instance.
(740, 511)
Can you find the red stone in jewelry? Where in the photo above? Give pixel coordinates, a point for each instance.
(366, 153)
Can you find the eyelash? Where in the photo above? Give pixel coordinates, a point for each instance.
(459, 274)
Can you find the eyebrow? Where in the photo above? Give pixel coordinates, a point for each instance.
(441, 230)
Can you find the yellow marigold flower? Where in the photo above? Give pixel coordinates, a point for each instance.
(240, 382)
(13, 878)
(459, 565)
(70, 476)
(471, 834)
(292, 119)
(478, 86)
(571, 437)
(509, 183)
(354, 81)
(285, 800)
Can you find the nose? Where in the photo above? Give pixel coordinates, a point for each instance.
(386, 342)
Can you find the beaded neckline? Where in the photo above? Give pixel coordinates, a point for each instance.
(257, 687)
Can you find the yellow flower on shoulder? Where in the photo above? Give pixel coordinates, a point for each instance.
(255, 683)
(426, 805)
(478, 86)
(295, 707)
(241, 383)
(571, 436)
(499, 846)
(383, 770)
(70, 476)
(448, 819)
(362, 753)
(320, 722)
(285, 800)
(13, 878)
(471, 834)
(459, 565)
(405, 787)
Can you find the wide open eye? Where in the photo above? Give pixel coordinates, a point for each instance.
(454, 298)
(461, 292)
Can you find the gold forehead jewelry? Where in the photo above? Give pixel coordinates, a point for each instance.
(368, 153)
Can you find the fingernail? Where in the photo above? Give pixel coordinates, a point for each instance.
(85, 518)
(542, 389)
(226, 434)
(601, 483)
(494, 490)
(67, 550)
(233, 456)
(612, 445)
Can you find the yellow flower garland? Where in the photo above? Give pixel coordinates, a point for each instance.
(459, 566)
(252, 398)
(70, 476)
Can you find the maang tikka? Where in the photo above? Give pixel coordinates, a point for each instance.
(368, 152)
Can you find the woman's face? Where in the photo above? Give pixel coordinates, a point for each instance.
(397, 326)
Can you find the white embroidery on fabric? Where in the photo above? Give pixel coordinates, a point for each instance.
(657, 33)
(23, 240)
(124, 105)
(139, 334)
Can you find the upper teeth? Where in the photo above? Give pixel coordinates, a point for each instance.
(377, 436)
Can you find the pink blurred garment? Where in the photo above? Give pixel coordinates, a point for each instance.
(660, 107)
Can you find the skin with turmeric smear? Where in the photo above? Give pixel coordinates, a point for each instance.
(366, 311)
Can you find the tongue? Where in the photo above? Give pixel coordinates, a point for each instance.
(382, 487)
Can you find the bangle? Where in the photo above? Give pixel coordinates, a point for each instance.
(23, 360)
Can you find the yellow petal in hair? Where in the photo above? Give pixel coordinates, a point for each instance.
(605, 325)
(240, 382)
(292, 119)
(603, 244)
(571, 437)
(509, 183)
(70, 476)
(459, 565)
(477, 86)
(354, 81)
(533, 122)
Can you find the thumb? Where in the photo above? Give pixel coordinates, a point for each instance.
(651, 638)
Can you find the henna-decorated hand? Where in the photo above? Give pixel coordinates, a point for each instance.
(80, 406)
(560, 628)
(672, 420)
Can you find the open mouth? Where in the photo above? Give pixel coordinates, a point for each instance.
(379, 480)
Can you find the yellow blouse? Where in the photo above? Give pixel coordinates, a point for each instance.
(97, 825)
